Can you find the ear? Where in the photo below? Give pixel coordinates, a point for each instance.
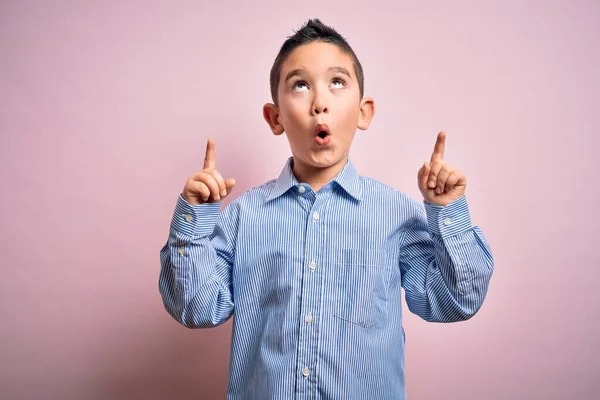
(271, 115)
(366, 113)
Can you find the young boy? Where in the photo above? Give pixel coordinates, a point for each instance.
(311, 264)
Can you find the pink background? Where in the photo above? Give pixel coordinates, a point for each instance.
(105, 110)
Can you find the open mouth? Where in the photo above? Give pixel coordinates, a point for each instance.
(322, 130)
(322, 135)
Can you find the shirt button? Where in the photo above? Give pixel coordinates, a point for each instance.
(301, 189)
(188, 217)
(181, 250)
(447, 221)
(306, 372)
(308, 318)
(315, 216)
(313, 265)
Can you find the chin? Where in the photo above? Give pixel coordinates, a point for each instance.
(325, 159)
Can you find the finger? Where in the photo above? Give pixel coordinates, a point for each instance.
(441, 179)
(452, 180)
(439, 148)
(200, 189)
(433, 173)
(209, 158)
(209, 181)
(423, 175)
(220, 181)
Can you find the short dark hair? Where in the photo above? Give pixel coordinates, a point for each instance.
(311, 31)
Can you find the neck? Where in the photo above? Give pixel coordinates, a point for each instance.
(317, 177)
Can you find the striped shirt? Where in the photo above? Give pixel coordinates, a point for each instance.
(313, 281)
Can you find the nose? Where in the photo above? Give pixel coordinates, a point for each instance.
(319, 110)
(319, 105)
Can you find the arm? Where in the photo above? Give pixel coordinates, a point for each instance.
(446, 263)
(195, 279)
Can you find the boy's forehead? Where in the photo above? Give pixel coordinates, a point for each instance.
(317, 57)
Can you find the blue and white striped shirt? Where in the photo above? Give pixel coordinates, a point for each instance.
(313, 281)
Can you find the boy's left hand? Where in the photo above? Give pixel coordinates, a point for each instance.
(439, 182)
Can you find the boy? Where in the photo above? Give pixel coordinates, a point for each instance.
(311, 263)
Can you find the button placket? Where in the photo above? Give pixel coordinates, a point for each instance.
(310, 299)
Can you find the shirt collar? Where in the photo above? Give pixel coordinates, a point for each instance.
(348, 179)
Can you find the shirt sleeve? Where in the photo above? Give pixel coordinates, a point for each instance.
(446, 263)
(196, 261)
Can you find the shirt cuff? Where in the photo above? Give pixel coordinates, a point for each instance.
(448, 220)
(194, 220)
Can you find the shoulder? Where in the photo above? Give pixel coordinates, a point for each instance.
(381, 192)
(376, 187)
(245, 203)
(253, 196)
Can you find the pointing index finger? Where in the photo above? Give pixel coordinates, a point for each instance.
(440, 146)
(209, 158)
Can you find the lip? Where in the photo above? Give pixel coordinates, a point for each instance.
(322, 128)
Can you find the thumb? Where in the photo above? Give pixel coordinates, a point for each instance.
(229, 184)
(423, 175)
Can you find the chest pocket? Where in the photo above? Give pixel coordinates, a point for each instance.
(361, 281)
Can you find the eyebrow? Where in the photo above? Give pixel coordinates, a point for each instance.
(299, 71)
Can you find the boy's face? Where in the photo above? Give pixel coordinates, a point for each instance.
(318, 86)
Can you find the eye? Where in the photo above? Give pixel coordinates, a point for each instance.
(299, 86)
(339, 82)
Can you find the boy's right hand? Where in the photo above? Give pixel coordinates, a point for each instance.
(207, 185)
